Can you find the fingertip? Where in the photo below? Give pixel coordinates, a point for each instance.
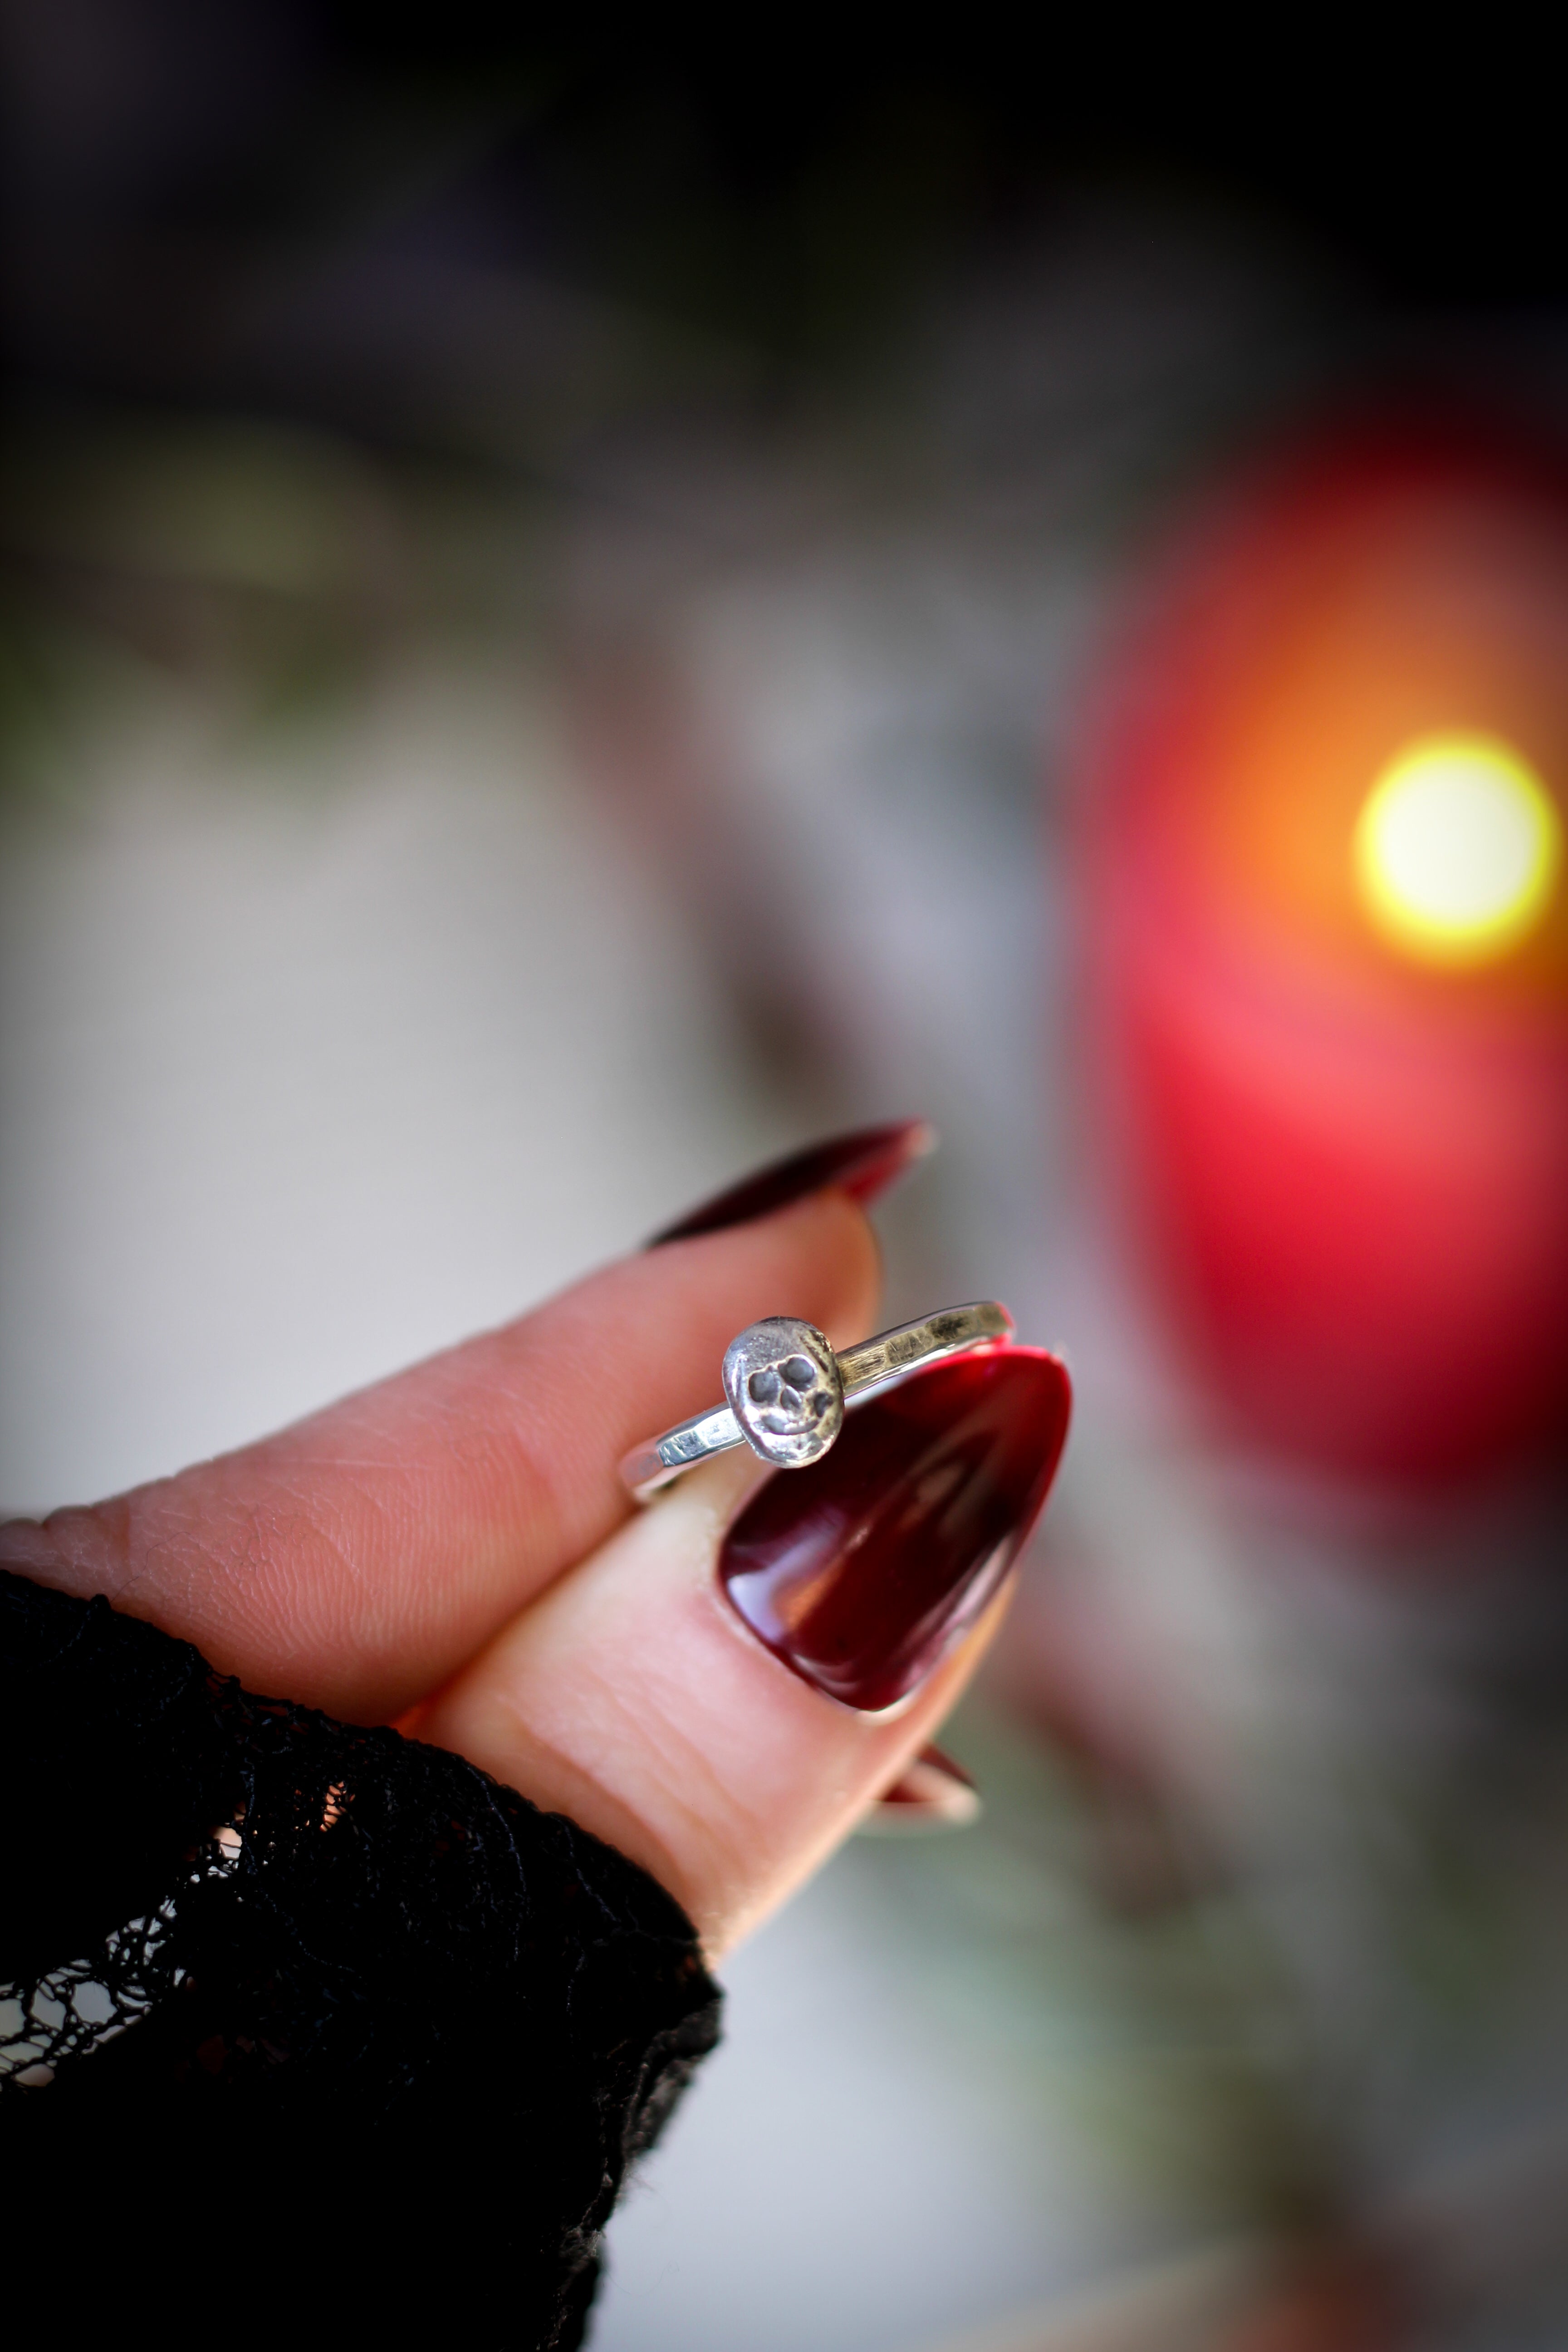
(635, 1699)
(823, 1249)
(864, 1163)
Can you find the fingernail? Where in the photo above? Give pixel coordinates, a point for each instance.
(864, 1164)
(931, 1793)
(861, 1572)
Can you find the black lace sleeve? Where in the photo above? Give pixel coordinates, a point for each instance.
(305, 2029)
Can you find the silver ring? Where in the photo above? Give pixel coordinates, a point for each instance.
(787, 1390)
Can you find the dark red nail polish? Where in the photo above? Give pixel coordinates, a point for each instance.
(861, 1572)
(930, 1794)
(864, 1164)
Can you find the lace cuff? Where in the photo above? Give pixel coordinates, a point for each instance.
(308, 2009)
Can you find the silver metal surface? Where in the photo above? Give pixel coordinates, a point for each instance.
(793, 1412)
(781, 1379)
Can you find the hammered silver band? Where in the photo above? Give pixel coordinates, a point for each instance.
(762, 1360)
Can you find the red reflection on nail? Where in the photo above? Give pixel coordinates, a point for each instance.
(861, 1572)
(863, 1164)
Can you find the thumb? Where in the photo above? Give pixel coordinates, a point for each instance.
(724, 1686)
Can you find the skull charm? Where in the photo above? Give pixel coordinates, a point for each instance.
(782, 1384)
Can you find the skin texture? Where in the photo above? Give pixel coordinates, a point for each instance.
(452, 1548)
(633, 1698)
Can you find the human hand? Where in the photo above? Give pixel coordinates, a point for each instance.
(452, 1550)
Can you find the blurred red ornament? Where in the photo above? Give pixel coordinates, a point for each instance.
(1328, 935)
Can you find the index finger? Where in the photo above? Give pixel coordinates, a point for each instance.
(357, 1560)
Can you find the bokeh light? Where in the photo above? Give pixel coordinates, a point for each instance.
(1332, 950)
(1458, 850)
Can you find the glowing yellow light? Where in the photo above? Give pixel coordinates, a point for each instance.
(1457, 849)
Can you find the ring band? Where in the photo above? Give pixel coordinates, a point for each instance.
(787, 1390)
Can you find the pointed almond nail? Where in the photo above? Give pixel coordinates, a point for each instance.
(865, 1164)
(861, 1572)
(931, 1793)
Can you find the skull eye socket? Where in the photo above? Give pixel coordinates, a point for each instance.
(764, 1387)
(800, 1373)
